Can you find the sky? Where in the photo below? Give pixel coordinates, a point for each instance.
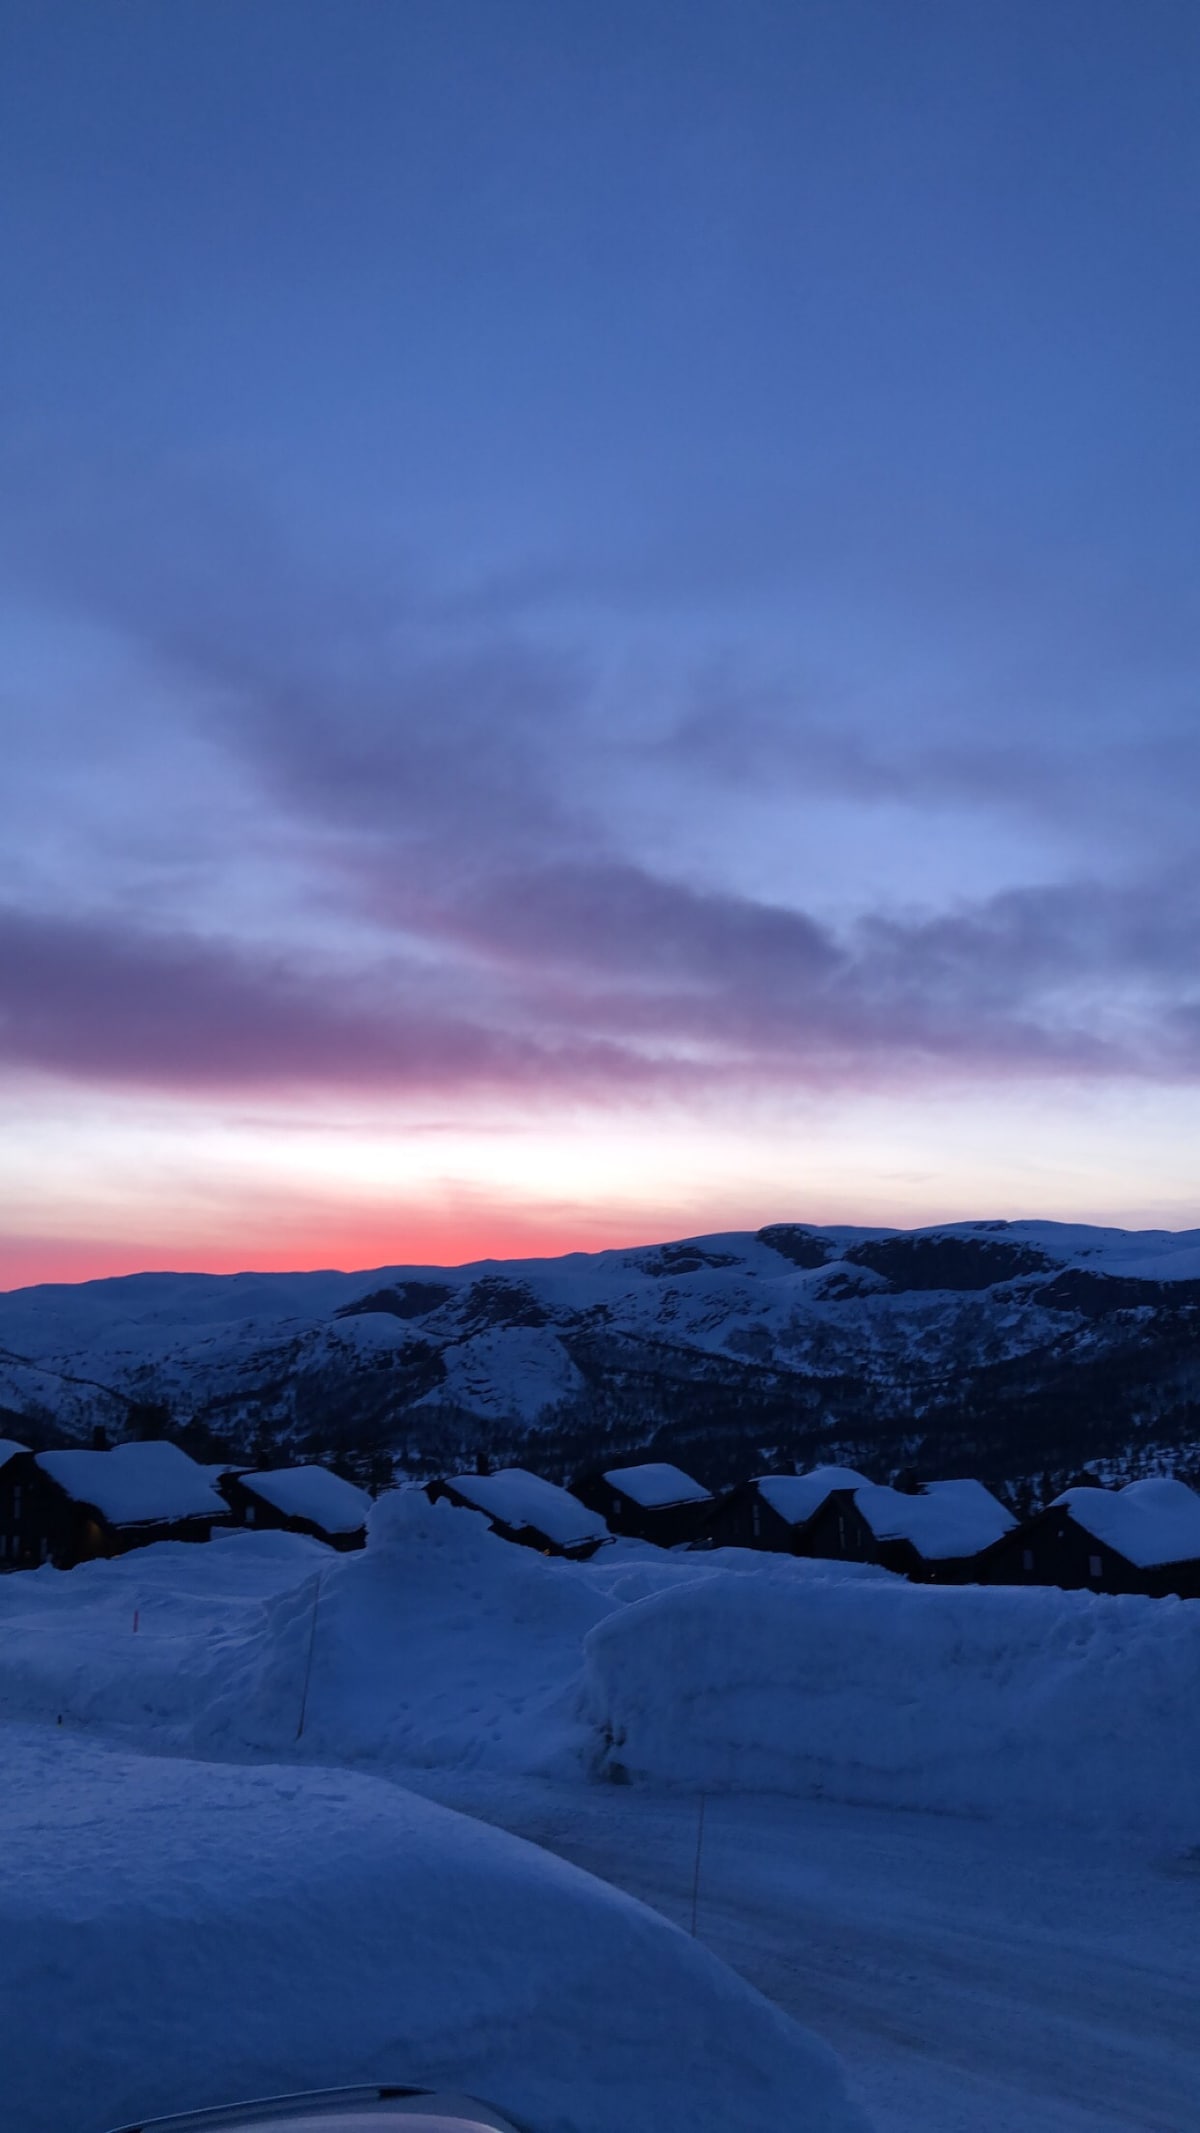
(598, 623)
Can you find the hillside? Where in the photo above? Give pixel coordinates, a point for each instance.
(1012, 1350)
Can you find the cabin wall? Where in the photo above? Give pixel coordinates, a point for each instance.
(744, 1519)
(838, 1532)
(248, 1510)
(1052, 1550)
(668, 1526)
(32, 1522)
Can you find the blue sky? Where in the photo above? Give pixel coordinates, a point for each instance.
(598, 621)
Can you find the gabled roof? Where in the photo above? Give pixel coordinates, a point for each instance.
(312, 1493)
(9, 1449)
(520, 1499)
(657, 1487)
(798, 1497)
(136, 1484)
(1150, 1522)
(947, 1519)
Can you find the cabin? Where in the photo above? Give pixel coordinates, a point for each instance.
(934, 1535)
(655, 1502)
(521, 1507)
(1142, 1538)
(299, 1499)
(103, 1503)
(775, 1511)
(22, 1528)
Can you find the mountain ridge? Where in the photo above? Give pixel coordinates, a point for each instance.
(1014, 1349)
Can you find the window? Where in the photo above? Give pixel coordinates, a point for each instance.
(1095, 1566)
(841, 1531)
(249, 1514)
(1027, 1558)
(756, 1520)
(17, 1501)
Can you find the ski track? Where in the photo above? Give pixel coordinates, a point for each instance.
(973, 1979)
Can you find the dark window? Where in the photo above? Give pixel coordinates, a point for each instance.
(1027, 1558)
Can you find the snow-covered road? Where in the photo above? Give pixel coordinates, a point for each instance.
(973, 1978)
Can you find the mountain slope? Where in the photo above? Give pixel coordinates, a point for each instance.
(1008, 1349)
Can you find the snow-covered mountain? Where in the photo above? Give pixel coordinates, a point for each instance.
(1004, 1348)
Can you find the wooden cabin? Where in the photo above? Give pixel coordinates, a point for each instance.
(299, 1499)
(776, 1511)
(23, 1539)
(655, 1502)
(935, 1535)
(1142, 1538)
(103, 1503)
(521, 1507)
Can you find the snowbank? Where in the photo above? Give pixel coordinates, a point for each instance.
(441, 1647)
(311, 1492)
(175, 1935)
(968, 1700)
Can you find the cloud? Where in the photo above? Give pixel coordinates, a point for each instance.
(588, 982)
(437, 778)
(107, 1002)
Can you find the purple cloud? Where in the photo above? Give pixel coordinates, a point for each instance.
(586, 980)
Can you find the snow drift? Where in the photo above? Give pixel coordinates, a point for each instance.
(176, 1934)
(443, 1648)
(969, 1700)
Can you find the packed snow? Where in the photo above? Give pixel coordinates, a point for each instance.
(657, 1487)
(312, 1493)
(860, 1743)
(136, 1484)
(1150, 1523)
(525, 1501)
(179, 1934)
(948, 1519)
(977, 1700)
(797, 1497)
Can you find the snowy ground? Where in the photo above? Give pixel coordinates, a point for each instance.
(955, 1834)
(973, 1978)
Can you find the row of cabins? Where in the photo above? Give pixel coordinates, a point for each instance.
(1142, 1538)
(67, 1507)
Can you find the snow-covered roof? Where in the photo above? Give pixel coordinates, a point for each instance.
(136, 1484)
(519, 1498)
(1148, 1522)
(796, 1497)
(314, 1493)
(9, 1449)
(947, 1519)
(657, 1488)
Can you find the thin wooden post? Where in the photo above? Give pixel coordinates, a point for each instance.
(696, 1868)
(312, 1638)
